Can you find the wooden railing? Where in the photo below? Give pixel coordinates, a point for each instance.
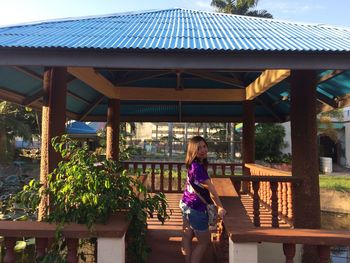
(109, 235)
(169, 177)
(274, 190)
(237, 238)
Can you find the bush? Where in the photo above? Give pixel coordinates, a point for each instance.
(85, 191)
(269, 142)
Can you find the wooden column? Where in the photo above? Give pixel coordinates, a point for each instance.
(304, 154)
(53, 122)
(248, 143)
(112, 131)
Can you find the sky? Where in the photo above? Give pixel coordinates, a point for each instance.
(335, 12)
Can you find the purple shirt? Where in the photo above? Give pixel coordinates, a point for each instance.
(196, 174)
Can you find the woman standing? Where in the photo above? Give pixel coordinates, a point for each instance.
(194, 212)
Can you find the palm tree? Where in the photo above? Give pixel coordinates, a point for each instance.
(240, 7)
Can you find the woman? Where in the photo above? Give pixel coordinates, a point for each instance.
(195, 216)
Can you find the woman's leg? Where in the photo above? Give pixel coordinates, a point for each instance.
(187, 236)
(203, 243)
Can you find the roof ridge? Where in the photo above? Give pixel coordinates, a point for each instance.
(138, 12)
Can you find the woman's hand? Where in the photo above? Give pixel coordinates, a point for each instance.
(221, 212)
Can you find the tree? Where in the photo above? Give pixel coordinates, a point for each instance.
(269, 142)
(240, 7)
(15, 121)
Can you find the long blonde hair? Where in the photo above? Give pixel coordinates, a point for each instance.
(192, 149)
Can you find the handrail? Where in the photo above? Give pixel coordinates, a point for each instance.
(44, 232)
(260, 169)
(236, 227)
(169, 177)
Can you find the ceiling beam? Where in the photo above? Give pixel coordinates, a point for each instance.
(329, 76)
(29, 72)
(95, 80)
(141, 76)
(30, 100)
(269, 108)
(163, 94)
(91, 107)
(216, 77)
(266, 80)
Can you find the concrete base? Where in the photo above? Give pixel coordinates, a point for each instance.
(243, 252)
(111, 250)
(273, 253)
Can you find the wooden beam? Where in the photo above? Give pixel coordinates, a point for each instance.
(266, 80)
(36, 96)
(29, 72)
(216, 77)
(10, 96)
(141, 76)
(91, 107)
(325, 100)
(162, 94)
(269, 108)
(329, 76)
(95, 81)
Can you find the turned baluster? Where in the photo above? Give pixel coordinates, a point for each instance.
(279, 194)
(289, 252)
(41, 244)
(179, 177)
(153, 177)
(170, 187)
(10, 243)
(162, 177)
(214, 170)
(284, 199)
(324, 253)
(223, 168)
(269, 193)
(256, 204)
(263, 191)
(135, 168)
(274, 204)
(72, 249)
(232, 167)
(290, 201)
(144, 166)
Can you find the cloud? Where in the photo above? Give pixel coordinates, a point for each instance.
(290, 7)
(203, 5)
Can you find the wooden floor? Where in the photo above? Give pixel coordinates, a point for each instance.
(165, 240)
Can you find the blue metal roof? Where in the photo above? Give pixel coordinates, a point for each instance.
(175, 29)
(78, 127)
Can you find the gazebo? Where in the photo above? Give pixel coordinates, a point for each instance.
(184, 66)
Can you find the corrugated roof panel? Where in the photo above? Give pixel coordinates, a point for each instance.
(177, 29)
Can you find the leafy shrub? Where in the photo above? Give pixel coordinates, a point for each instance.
(84, 190)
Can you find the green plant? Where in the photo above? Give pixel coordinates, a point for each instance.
(269, 142)
(84, 190)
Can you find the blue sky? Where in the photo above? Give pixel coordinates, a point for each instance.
(313, 11)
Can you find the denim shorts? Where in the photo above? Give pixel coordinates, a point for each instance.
(198, 219)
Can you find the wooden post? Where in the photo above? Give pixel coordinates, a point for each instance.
(112, 131)
(304, 154)
(248, 143)
(53, 123)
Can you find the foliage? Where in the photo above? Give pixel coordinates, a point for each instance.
(125, 151)
(240, 7)
(15, 121)
(269, 142)
(85, 191)
(326, 125)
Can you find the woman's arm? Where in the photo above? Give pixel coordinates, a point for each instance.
(215, 197)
